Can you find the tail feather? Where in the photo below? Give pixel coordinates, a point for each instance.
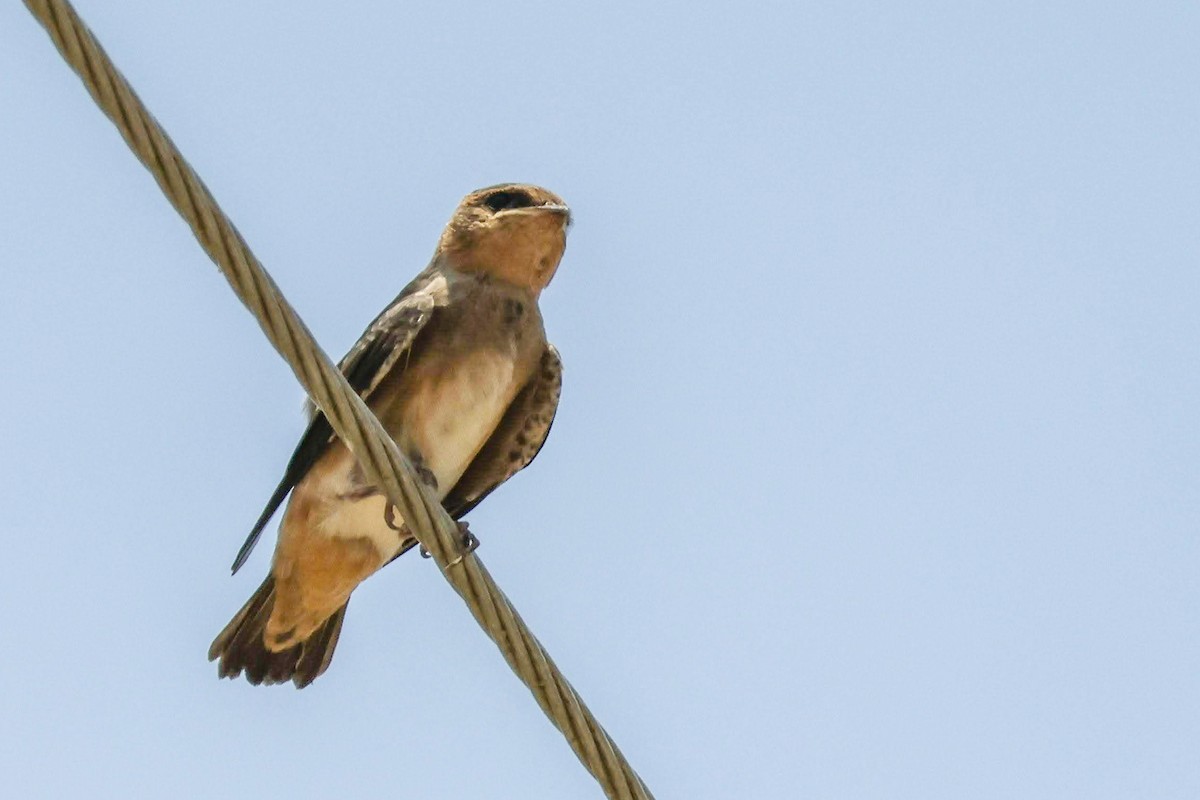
(242, 649)
(318, 650)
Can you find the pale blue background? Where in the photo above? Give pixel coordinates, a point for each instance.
(877, 473)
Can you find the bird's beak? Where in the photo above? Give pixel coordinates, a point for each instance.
(558, 208)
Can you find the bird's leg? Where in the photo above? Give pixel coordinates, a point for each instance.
(469, 540)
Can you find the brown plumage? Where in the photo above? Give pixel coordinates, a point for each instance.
(242, 650)
(459, 372)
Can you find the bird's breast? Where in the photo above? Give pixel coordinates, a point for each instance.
(451, 413)
(445, 412)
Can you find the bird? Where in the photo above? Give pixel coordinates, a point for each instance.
(459, 371)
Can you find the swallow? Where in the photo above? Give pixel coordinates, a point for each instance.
(459, 372)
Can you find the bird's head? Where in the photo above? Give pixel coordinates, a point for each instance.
(514, 232)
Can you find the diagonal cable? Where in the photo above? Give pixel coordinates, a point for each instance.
(381, 460)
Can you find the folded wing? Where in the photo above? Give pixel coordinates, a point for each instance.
(516, 441)
(381, 347)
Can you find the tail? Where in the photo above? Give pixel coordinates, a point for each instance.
(240, 647)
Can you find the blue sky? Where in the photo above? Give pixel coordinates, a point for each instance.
(876, 472)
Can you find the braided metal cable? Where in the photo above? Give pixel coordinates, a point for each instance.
(381, 460)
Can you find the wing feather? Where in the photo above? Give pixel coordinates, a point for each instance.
(516, 441)
(389, 337)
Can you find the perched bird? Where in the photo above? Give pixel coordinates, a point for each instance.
(459, 372)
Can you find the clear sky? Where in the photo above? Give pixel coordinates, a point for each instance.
(877, 470)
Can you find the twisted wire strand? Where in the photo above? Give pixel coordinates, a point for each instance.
(382, 461)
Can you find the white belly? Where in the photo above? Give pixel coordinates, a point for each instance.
(448, 422)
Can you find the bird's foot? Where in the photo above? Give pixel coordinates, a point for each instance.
(470, 543)
(427, 477)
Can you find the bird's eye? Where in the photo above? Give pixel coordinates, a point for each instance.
(499, 201)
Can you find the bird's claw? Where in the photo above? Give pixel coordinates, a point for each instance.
(470, 543)
(427, 477)
(389, 517)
